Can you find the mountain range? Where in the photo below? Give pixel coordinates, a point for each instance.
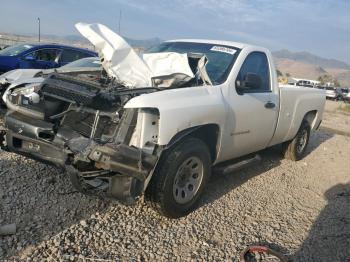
(296, 64)
(310, 66)
(309, 58)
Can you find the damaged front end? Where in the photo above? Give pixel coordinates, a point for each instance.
(82, 126)
(78, 121)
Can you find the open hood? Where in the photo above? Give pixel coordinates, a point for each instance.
(118, 58)
(121, 61)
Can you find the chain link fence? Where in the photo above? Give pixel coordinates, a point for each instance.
(8, 41)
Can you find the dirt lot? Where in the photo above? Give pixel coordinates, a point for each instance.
(336, 119)
(302, 209)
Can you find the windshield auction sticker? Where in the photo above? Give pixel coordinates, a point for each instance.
(223, 49)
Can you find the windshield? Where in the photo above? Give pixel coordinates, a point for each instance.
(85, 62)
(220, 57)
(15, 50)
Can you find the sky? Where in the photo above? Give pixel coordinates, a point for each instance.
(321, 27)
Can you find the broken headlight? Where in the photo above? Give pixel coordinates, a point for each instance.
(25, 95)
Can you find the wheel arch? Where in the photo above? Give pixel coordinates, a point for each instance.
(208, 133)
(310, 117)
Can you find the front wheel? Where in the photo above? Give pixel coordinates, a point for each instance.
(180, 179)
(295, 149)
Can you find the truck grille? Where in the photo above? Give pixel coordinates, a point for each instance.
(69, 89)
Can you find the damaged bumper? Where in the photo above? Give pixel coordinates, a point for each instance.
(112, 169)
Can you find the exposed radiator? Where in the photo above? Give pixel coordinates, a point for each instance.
(69, 89)
(83, 122)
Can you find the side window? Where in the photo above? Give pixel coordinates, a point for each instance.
(48, 55)
(254, 75)
(69, 55)
(83, 55)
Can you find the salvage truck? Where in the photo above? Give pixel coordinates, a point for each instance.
(156, 125)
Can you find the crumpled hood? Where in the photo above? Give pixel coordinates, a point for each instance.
(118, 58)
(121, 61)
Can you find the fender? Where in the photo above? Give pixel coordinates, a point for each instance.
(181, 109)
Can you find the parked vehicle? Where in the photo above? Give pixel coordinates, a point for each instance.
(40, 56)
(346, 94)
(159, 124)
(305, 83)
(90, 66)
(333, 93)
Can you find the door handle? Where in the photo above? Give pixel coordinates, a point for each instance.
(269, 104)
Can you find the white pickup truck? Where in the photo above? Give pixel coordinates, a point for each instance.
(157, 125)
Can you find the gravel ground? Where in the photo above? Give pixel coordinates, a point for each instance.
(301, 208)
(336, 120)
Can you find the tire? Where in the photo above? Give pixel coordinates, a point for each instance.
(295, 149)
(180, 178)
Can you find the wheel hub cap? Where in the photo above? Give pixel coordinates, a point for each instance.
(187, 180)
(302, 141)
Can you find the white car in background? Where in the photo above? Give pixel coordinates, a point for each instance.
(24, 77)
(346, 94)
(333, 93)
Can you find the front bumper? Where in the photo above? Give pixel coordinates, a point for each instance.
(123, 169)
(31, 137)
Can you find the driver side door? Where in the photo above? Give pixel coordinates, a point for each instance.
(254, 108)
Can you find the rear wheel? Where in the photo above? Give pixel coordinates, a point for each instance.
(180, 179)
(295, 149)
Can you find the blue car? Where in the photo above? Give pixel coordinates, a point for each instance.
(40, 56)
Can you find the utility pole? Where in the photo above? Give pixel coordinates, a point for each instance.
(39, 27)
(120, 18)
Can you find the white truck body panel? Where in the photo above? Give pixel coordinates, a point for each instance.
(293, 101)
(183, 108)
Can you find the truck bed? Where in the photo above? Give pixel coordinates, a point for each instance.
(294, 103)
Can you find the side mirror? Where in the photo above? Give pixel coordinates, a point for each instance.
(250, 81)
(29, 58)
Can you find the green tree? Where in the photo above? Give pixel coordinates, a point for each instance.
(326, 78)
(336, 83)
